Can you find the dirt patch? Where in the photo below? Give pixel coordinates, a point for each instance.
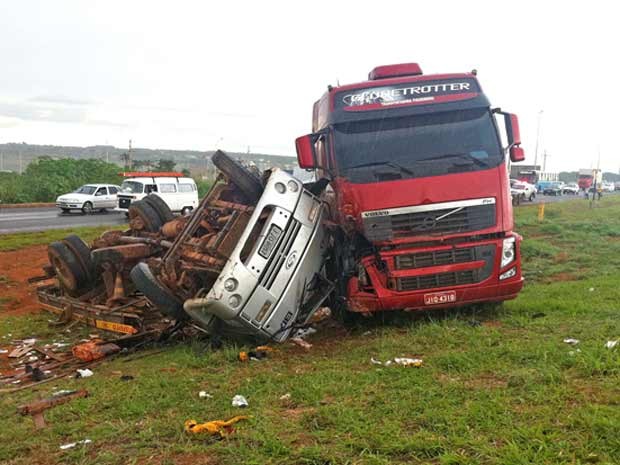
(564, 276)
(486, 381)
(16, 267)
(561, 257)
(492, 324)
(297, 412)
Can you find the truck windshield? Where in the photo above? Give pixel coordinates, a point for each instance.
(132, 187)
(417, 145)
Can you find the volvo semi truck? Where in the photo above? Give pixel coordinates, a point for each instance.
(419, 193)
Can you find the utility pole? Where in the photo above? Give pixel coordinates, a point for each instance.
(537, 138)
(129, 163)
(545, 161)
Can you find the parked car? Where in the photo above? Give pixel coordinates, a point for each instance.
(527, 191)
(571, 188)
(179, 193)
(555, 188)
(608, 186)
(617, 185)
(88, 198)
(542, 185)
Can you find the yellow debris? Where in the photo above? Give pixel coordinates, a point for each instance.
(220, 427)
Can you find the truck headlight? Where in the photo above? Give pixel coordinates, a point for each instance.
(231, 284)
(234, 300)
(508, 274)
(292, 186)
(508, 251)
(280, 188)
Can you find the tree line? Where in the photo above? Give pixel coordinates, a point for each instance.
(45, 178)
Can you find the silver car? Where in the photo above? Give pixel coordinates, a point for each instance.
(273, 283)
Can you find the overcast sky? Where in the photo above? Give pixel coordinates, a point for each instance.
(233, 75)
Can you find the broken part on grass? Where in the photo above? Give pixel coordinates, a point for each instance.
(249, 261)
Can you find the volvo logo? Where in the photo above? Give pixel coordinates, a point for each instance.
(428, 222)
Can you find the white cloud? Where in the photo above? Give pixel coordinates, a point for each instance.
(193, 74)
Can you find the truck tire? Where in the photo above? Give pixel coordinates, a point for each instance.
(67, 267)
(157, 294)
(160, 206)
(82, 253)
(149, 216)
(248, 183)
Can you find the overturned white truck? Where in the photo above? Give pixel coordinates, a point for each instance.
(250, 260)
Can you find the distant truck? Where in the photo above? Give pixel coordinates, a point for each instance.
(179, 192)
(588, 178)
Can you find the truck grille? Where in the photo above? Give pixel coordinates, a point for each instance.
(434, 258)
(414, 283)
(430, 222)
(485, 252)
(275, 262)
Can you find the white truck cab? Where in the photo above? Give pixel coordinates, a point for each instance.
(179, 192)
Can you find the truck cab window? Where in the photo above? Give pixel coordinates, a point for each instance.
(150, 188)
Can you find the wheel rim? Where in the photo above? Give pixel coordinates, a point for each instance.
(87, 207)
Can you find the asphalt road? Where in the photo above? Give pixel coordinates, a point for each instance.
(14, 220)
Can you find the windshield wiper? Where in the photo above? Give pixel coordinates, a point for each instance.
(384, 163)
(463, 155)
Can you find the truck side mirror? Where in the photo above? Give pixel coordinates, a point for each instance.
(514, 137)
(305, 152)
(512, 129)
(516, 154)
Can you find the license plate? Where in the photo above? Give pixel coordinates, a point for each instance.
(435, 298)
(270, 241)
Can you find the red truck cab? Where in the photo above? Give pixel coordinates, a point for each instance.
(420, 198)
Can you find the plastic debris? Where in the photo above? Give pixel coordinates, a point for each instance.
(62, 392)
(84, 373)
(215, 427)
(286, 396)
(4, 351)
(402, 361)
(571, 341)
(29, 342)
(321, 314)
(239, 401)
(301, 343)
(303, 333)
(591, 289)
(612, 344)
(71, 445)
(205, 395)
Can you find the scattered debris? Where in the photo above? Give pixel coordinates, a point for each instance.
(94, 350)
(538, 315)
(4, 351)
(301, 343)
(612, 344)
(84, 373)
(215, 427)
(71, 445)
(205, 395)
(126, 378)
(572, 353)
(239, 401)
(571, 341)
(403, 361)
(286, 396)
(591, 289)
(474, 323)
(38, 407)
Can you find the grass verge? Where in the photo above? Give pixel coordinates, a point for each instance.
(20, 240)
(497, 386)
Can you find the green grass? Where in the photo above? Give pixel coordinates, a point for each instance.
(507, 391)
(20, 240)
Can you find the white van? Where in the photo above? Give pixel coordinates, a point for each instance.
(179, 193)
